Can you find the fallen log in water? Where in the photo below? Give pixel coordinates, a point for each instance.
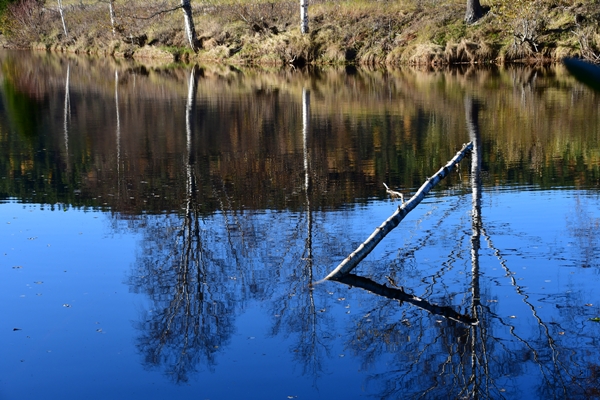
(368, 245)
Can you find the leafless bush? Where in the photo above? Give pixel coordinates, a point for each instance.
(589, 41)
(26, 22)
(527, 29)
(267, 16)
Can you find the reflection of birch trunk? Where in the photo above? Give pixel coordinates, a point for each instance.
(312, 309)
(118, 133)
(67, 112)
(472, 117)
(304, 16)
(473, 126)
(189, 112)
(388, 225)
(307, 185)
(189, 126)
(62, 17)
(188, 18)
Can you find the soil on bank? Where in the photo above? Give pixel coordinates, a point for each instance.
(417, 32)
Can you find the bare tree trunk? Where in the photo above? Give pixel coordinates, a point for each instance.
(62, 17)
(386, 227)
(474, 11)
(111, 9)
(188, 18)
(304, 16)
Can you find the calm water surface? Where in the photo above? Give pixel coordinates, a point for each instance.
(164, 233)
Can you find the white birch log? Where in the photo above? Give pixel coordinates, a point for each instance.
(388, 225)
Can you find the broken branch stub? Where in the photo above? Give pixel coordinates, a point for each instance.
(386, 227)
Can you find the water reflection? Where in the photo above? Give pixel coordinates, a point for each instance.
(248, 187)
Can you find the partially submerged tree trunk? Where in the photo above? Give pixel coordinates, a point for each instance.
(474, 11)
(304, 16)
(190, 29)
(377, 236)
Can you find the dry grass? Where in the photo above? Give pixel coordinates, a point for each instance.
(424, 32)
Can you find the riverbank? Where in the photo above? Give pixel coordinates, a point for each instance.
(353, 32)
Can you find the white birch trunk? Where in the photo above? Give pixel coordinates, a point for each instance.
(111, 9)
(62, 17)
(190, 29)
(304, 16)
(388, 225)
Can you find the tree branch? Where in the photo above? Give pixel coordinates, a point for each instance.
(159, 13)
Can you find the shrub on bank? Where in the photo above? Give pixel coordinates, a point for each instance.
(340, 31)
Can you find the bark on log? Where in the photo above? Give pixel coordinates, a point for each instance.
(368, 245)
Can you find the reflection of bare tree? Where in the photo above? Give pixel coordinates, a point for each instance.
(188, 287)
(66, 115)
(296, 310)
(446, 359)
(586, 231)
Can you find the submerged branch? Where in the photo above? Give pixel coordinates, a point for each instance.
(368, 245)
